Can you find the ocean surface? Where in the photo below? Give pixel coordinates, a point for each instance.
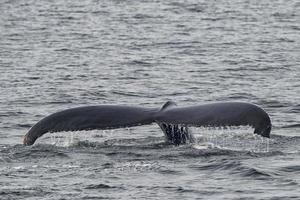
(60, 54)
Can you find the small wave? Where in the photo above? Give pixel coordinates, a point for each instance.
(193, 153)
(235, 167)
(291, 168)
(180, 189)
(26, 192)
(291, 126)
(130, 94)
(217, 165)
(273, 103)
(276, 137)
(185, 190)
(279, 142)
(102, 186)
(20, 152)
(170, 172)
(23, 125)
(254, 173)
(12, 113)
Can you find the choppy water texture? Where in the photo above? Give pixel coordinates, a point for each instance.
(61, 54)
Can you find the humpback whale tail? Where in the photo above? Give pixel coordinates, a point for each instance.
(173, 120)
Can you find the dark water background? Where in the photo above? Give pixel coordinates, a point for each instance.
(61, 54)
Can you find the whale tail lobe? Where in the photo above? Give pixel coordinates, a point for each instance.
(89, 118)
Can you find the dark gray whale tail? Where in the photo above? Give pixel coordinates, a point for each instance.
(173, 120)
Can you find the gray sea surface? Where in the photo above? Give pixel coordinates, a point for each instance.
(59, 54)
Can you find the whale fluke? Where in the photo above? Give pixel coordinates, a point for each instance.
(173, 120)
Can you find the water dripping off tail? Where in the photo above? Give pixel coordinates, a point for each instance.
(176, 134)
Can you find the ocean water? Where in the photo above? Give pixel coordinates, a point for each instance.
(62, 54)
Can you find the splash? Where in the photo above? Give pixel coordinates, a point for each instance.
(240, 138)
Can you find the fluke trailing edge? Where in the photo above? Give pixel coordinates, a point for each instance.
(173, 120)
